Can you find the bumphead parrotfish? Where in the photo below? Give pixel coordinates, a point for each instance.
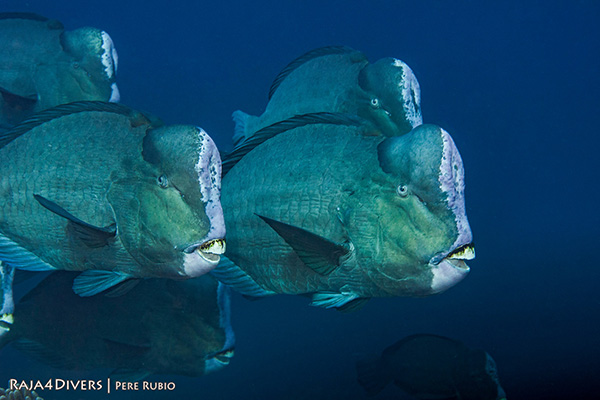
(334, 210)
(344, 202)
(97, 187)
(161, 326)
(339, 79)
(433, 367)
(42, 66)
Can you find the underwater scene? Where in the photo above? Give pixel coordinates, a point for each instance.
(299, 200)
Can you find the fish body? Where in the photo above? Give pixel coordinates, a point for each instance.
(160, 326)
(339, 79)
(339, 191)
(96, 187)
(42, 65)
(431, 366)
(339, 211)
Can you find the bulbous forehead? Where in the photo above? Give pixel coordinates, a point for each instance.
(414, 157)
(394, 83)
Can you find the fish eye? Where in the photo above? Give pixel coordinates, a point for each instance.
(375, 102)
(162, 181)
(402, 190)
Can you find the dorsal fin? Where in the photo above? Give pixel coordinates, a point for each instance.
(62, 110)
(266, 133)
(322, 51)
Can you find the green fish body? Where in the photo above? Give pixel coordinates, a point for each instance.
(160, 326)
(97, 187)
(42, 65)
(332, 194)
(335, 211)
(341, 80)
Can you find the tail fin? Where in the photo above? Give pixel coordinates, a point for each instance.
(371, 375)
(245, 127)
(239, 134)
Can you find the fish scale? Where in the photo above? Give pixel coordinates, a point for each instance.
(50, 183)
(309, 205)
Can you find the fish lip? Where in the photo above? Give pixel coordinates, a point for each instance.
(223, 357)
(209, 250)
(456, 257)
(6, 322)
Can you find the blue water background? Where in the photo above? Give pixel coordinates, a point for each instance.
(516, 83)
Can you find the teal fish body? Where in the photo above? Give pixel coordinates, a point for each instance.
(431, 366)
(42, 65)
(338, 190)
(161, 326)
(95, 186)
(347, 214)
(341, 80)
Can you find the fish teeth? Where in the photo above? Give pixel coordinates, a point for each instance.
(6, 321)
(212, 250)
(466, 252)
(223, 357)
(216, 246)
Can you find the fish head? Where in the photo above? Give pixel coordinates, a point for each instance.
(393, 96)
(421, 209)
(171, 217)
(92, 71)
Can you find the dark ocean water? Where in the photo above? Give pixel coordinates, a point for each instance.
(516, 83)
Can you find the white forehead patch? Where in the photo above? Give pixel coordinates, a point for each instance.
(452, 183)
(110, 58)
(411, 94)
(209, 178)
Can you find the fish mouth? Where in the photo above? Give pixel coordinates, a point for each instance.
(6, 321)
(224, 357)
(450, 268)
(210, 250)
(458, 256)
(218, 360)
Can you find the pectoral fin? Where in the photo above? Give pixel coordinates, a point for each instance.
(92, 236)
(92, 282)
(321, 255)
(231, 275)
(122, 288)
(344, 302)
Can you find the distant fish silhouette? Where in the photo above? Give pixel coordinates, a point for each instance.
(160, 326)
(433, 367)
